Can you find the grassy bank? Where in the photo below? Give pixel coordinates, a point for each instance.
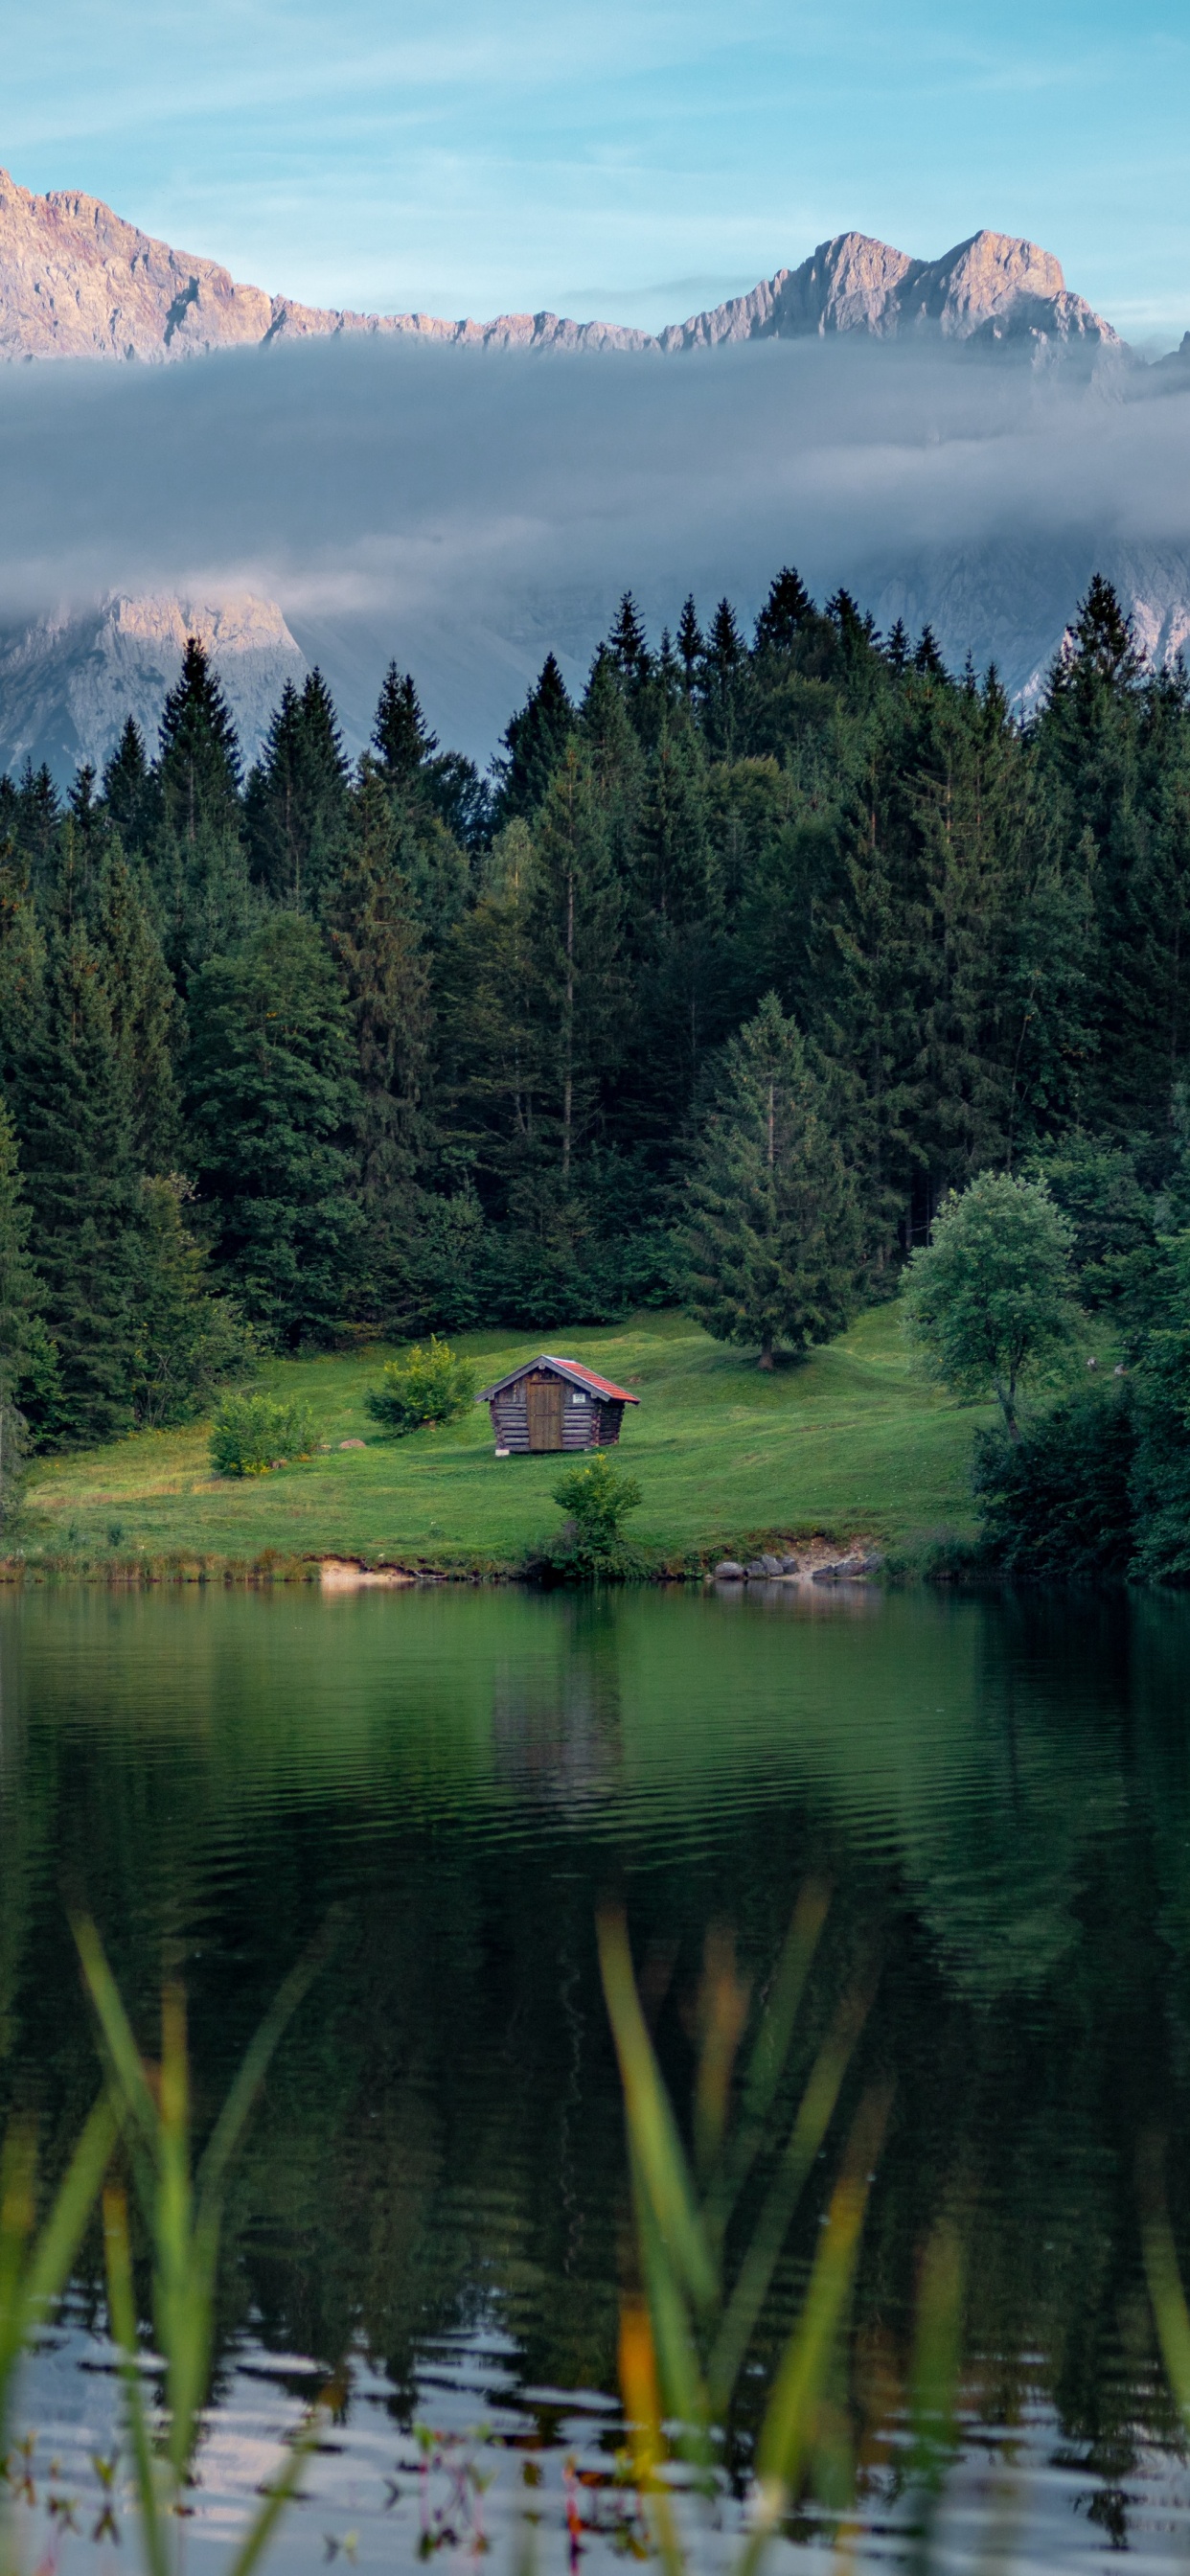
(850, 1441)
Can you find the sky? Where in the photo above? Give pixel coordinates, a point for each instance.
(634, 160)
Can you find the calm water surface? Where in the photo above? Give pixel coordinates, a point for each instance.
(433, 2190)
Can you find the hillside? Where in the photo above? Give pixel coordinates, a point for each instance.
(849, 1443)
(77, 281)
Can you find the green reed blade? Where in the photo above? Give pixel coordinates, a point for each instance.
(789, 2419)
(123, 2053)
(771, 2046)
(723, 2014)
(669, 2314)
(62, 2230)
(17, 2164)
(281, 2492)
(1161, 2272)
(937, 2346)
(123, 2320)
(815, 2113)
(656, 2145)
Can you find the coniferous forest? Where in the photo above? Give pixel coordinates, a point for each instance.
(328, 1049)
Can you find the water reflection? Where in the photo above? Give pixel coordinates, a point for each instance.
(999, 1790)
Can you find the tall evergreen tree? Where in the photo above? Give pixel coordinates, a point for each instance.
(78, 1152)
(270, 1099)
(198, 768)
(690, 645)
(534, 741)
(787, 614)
(295, 799)
(130, 791)
(27, 1358)
(199, 862)
(628, 646)
(141, 1006)
(377, 941)
(771, 1237)
(574, 929)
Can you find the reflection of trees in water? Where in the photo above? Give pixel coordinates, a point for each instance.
(556, 1725)
(441, 2135)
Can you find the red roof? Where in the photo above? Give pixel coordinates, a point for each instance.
(572, 1369)
(602, 1385)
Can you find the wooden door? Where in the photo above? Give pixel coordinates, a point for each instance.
(545, 1412)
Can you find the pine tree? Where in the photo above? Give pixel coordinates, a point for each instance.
(722, 684)
(198, 769)
(141, 1006)
(401, 738)
(628, 646)
(130, 790)
(675, 855)
(271, 1104)
(295, 799)
(690, 645)
(199, 864)
(772, 1237)
(33, 814)
(574, 933)
(78, 1152)
(787, 614)
(534, 741)
(377, 941)
(27, 1360)
(22, 969)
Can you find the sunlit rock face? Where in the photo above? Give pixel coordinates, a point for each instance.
(69, 682)
(76, 281)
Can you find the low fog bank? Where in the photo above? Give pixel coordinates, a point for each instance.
(467, 511)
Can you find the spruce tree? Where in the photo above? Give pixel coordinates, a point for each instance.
(377, 942)
(129, 790)
(786, 616)
(271, 1106)
(22, 970)
(141, 1006)
(690, 645)
(771, 1239)
(722, 687)
(27, 1359)
(574, 933)
(534, 741)
(628, 646)
(295, 798)
(78, 1152)
(198, 768)
(200, 867)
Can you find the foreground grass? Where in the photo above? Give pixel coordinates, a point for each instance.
(851, 1441)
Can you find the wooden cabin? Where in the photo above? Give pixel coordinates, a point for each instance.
(555, 1404)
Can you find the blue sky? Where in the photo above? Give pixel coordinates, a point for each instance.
(636, 159)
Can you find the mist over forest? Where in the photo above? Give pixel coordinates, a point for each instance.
(467, 511)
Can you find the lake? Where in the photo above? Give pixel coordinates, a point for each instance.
(432, 2197)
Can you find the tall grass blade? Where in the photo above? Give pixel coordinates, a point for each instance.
(122, 2308)
(1161, 2272)
(657, 2148)
(771, 2046)
(723, 2014)
(815, 2113)
(789, 2425)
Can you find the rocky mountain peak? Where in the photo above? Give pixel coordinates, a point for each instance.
(77, 281)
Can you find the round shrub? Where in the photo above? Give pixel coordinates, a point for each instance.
(428, 1385)
(251, 1433)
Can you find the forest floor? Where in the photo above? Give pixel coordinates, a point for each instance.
(849, 1443)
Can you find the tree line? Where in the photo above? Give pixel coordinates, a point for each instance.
(723, 978)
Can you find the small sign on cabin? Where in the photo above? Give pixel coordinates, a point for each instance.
(555, 1404)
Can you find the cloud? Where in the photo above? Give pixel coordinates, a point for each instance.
(465, 512)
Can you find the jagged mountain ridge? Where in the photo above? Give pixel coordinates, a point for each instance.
(77, 281)
(69, 682)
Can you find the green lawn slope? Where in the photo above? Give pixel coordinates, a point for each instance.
(851, 1441)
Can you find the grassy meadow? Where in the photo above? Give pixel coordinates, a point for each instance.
(849, 1442)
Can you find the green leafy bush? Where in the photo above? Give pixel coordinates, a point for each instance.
(251, 1433)
(1056, 1503)
(429, 1385)
(597, 1498)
